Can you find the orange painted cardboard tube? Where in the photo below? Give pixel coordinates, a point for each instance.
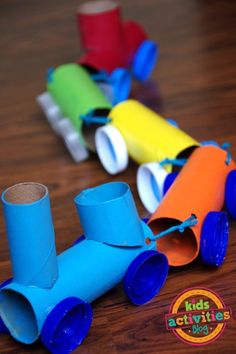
(198, 189)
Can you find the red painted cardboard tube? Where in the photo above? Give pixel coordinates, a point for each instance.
(134, 36)
(106, 41)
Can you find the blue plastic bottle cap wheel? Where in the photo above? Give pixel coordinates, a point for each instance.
(145, 60)
(67, 325)
(145, 276)
(170, 178)
(121, 80)
(230, 194)
(214, 238)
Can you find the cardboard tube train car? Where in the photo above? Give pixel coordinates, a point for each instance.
(136, 131)
(72, 93)
(112, 49)
(189, 220)
(81, 114)
(78, 110)
(49, 296)
(109, 43)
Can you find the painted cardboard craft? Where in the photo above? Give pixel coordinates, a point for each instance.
(107, 42)
(115, 221)
(198, 189)
(95, 266)
(86, 270)
(75, 92)
(30, 234)
(148, 137)
(72, 93)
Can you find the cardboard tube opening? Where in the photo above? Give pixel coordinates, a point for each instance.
(179, 248)
(150, 60)
(186, 152)
(19, 317)
(107, 147)
(102, 194)
(88, 130)
(25, 193)
(150, 181)
(96, 7)
(111, 149)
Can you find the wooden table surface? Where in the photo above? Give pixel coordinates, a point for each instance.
(194, 83)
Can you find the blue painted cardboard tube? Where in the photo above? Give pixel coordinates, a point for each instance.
(87, 270)
(108, 214)
(30, 234)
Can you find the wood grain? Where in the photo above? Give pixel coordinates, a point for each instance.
(194, 83)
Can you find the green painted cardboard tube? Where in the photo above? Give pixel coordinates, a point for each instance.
(75, 92)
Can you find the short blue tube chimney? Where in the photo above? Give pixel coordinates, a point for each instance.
(108, 214)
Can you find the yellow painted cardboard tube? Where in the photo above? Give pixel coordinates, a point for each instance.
(148, 136)
(198, 189)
